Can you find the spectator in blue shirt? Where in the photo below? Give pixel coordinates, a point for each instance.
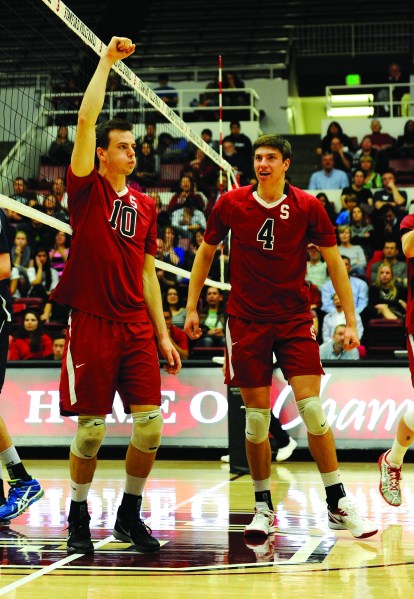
(334, 348)
(328, 177)
(359, 291)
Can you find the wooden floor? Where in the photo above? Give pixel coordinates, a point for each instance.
(198, 511)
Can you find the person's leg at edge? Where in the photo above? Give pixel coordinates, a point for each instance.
(139, 461)
(390, 463)
(259, 458)
(341, 513)
(20, 482)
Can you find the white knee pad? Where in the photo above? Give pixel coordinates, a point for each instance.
(409, 419)
(257, 424)
(90, 433)
(146, 433)
(313, 415)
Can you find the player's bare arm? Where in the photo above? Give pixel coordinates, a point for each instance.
(83, 155)
(407, 241)
(342, 286)
(201, 268)
(153, 301)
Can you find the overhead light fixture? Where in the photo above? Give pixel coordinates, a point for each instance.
(350, 111)
(351, 98)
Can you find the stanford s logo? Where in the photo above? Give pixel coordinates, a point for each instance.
(124, 218)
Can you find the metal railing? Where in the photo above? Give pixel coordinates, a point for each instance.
(189, 107)
(380, 99)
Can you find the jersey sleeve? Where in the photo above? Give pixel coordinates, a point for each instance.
(218, 223)
(320, 230)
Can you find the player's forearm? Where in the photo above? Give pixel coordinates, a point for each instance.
(153, 301)
(408, 244)
(94, 96)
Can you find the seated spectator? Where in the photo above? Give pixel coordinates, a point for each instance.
(187, 219)
(21, 194)
(212, 320)
(387, 226)
(335, 130)
(359, 292)
(173, 253)
(362, 232)
(316, 269)
(372, 179)
(334, 348)
(42, 277)
(51, 207)
(177, 337)
(208, 100)
(20, 251)
(39, 235)
(365, 149)
(58, 255)
(328, 177)
(165, 91)
(204, 171)
(342, 158)
(355, 253)
(220, 187)
(357, 187)
(119, 101)
(242, 166)
(56, 313)
(163, 216)
(186, 191)
(166, 279)
(241, 142)
(30, 342)
(344, 216)
(391, 257)
(150, 135)
(58, 346)
(390, 194)
(387, 299)
(60, 150)
(147, 171)
(329, 206)
(59, 189)
(333, 319)
(173, 302)
(397, 91)
(405, 142)
(233, 95)
(384, 143)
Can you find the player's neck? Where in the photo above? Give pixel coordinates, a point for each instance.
(271, 193)
(118, 182)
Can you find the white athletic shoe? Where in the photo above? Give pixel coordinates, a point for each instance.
(225, 459)
(263, 548)
(283, 453)
(346, 517)
(389, 485)
(262, 525)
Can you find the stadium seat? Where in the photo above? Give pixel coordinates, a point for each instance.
(403, 168)
(384, 337)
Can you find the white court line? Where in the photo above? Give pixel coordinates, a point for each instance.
(97, 545)
(306, 550)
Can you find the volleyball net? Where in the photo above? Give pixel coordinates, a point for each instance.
(47, 57)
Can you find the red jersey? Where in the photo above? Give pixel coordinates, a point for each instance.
(268, 250)
(111, 234)
(406, 225)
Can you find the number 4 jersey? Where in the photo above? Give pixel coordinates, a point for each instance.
(112, 232)
(268, 249)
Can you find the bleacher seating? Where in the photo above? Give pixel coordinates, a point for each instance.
(385, 337)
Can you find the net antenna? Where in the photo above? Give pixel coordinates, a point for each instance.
(28, 102)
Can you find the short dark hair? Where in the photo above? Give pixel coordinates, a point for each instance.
(274, 141)
(103, 130)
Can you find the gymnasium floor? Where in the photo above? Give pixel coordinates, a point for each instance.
(198, 511)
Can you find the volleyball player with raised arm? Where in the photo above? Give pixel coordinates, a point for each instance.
(111, 286)
(271, 225)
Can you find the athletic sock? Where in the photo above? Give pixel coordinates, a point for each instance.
(396, 456)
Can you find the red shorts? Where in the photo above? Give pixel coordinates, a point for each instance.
(102, 357)
(410, 350)
(250, 348)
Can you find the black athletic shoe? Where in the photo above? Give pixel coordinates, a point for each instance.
(79, 539)
(131, 529)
